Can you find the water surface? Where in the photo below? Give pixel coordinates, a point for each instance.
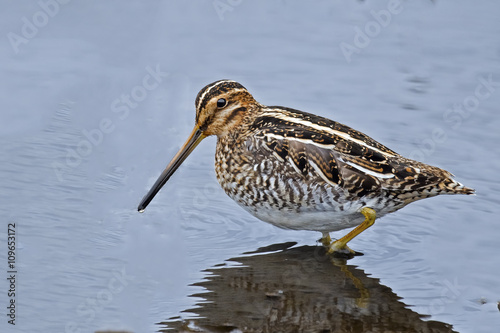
(98, 99)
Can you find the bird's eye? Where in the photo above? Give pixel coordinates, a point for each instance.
(221, 103)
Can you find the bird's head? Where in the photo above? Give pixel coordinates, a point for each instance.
(221, 108)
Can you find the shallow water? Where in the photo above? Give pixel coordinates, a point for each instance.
(78, 155)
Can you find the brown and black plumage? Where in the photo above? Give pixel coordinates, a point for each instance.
(297, 170)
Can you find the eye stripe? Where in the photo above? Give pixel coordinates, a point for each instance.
(235, 112)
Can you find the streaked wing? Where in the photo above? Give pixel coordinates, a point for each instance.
(337, 153)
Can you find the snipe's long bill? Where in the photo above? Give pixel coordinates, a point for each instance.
(300, 171)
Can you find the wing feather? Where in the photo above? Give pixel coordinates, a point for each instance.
(339, 154)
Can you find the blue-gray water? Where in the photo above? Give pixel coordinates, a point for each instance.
(96, 97)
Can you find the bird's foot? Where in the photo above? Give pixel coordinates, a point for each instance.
(338, 249)
(340, 246)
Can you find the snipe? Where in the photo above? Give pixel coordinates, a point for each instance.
(297, 170)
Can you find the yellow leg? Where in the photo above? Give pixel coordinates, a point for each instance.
(341, 244)
(325, 240)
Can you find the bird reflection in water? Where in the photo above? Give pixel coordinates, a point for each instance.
(301, 289)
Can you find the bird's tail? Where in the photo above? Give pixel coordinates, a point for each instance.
(451, 186)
